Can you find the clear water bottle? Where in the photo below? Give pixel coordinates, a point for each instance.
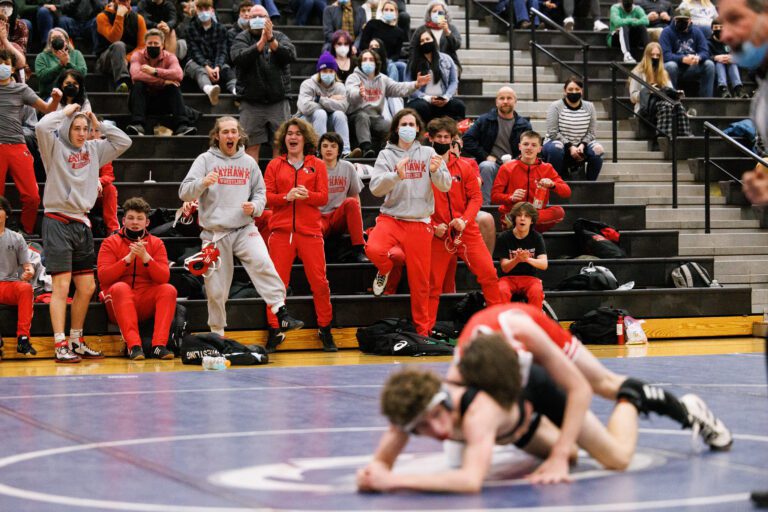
(215, 363)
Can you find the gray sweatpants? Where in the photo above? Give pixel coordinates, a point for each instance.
(112, 63)
(247, 245)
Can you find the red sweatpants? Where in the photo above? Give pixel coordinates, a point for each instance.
(475, 254)
(397, 256)
(17, 159)
(108, 202)
(283, 250)
(262, 223)
(346, 217)
(414, 238)
(128, 306)
(19, 293)
(548, 217)
(530, 286)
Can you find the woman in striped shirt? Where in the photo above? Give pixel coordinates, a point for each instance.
(571, 127)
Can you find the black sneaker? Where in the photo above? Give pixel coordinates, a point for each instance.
(136, 353)
(723, 91)
(64, 354)
(358, 255)
(275, 338)
(287, 322)
(185, 130)
(760, 499)
(80, 348)
(326, 337)
(25, 347)
(162, 352)
(369, 153)
(134, 129)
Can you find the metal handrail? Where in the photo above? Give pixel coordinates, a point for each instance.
(506, 23)
(709, 127)
(614, 120)
(584, 75)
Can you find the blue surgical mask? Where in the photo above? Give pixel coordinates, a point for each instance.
(243, 23)
(328, 78)
(435, 17)
(5, 71)
(407, 133)
(257, 23)
(750, 56)
(388, 16)
(204, 16)
(368, 67)
(342, 2)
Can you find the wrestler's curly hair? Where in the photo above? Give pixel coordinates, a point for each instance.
(407, 393)
(490, 364)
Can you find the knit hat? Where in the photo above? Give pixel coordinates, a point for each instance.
(326, 61)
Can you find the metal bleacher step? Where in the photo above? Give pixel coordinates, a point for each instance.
(716, 244)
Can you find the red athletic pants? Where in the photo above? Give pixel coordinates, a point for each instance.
(17, 159)
(283, 249)
(548, 217)
(128, 306)
(414, 238)
(262, 223)
(346, 217)
(19, 294)
(528, 285)
(108, 202)
(397, 256)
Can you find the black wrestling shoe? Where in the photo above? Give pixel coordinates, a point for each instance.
(136, 353)
(760, 499)
(162, 352)
(25, 347)
(275, 338)
(326, 337)
(287, 322)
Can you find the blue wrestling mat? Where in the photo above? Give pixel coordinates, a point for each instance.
(292, 438)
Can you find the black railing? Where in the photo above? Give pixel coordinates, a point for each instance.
(507, 24)
(709, 127)
(615, 104)
(536, 47)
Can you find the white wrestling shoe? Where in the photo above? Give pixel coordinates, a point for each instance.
(705, 424)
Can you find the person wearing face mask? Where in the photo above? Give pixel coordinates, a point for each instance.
(58, 55)
(344, 51)
(385, 28)
(725, 69)
(703, 13)
(14, 34)
(437, 19)
(156, 76)
(242, 23)
(342, 15)
(133, 274)
(207, 47)
(162, 15)
(404, 174)
(686, 53)
(651, 69)
(659, 14)
(72, 85)
(438, 97)
(121, 34)
(323, 102)
(628, 30)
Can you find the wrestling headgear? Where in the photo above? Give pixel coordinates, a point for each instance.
(205, 262)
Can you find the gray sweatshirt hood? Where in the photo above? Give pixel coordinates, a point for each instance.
(67, 124)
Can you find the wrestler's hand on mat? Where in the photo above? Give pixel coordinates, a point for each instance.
(373, 477)
(554, 470)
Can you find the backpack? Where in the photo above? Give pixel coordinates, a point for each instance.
(176, 334)
(592, 277)
(692, 275)
(598, 239)
(598, 326)
(396, 337)
(196, 346)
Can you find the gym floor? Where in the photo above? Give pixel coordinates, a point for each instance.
(159, 436)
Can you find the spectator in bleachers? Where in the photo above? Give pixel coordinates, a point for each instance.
(297, 187)
(393, 37)
(659, 14)
(367, 90)
(121, 33)
(456, 233)
(342, 212)
(404, 174)
(162, 15)
(373, 9)
(72, 165)
(524, 254)
(27, 10)
(133, 275)
(242, 23)
(77, 17)
(15, 273)
(14, 157)
(388, 67)
(594, 11)
(303, 9)
(438, 20)
(208, 51)
(107, 197)
(571, 132)
(438, 97)
(703, 13)
(529, 179)
(494, 135)
(72, 85)
(157, 77)
(323, 102)
(686, 54)
(269, 5)
(522, 18)
(262, 58)
(552, 9)
(58, 55)
(725, 69)
(343, 50)
(628, 30)
(342, 15)
(14, 34)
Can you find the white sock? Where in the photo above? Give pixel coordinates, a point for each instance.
(207, 89)
(59, 338)
(75, 334)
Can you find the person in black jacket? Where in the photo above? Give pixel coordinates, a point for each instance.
(390, 34)
(333, 17)
(438, 20)
(77, 17)
(161, 14)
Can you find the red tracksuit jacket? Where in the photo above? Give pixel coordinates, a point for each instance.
(516, 174)
(299, 216)
(463, 200)
(111, 269)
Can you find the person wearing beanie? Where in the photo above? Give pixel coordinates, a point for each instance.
(323, 102)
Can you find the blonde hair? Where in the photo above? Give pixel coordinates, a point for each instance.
(644, 68)
(213, 135)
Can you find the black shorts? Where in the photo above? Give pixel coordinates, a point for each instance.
(67, 246)
(547, 400)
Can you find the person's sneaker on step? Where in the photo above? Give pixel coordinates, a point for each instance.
(568, 24)
(80, 348)
(599, 26)
(704, 423)
(274, 339)
(286, 321)
(162, 352)
(212, 91)
(185, 130)
(326, 337)
(723, 92)
(63, 354)
(23, 346)
(122, 86)
(134, 129)
(379, 283)
(136, 353)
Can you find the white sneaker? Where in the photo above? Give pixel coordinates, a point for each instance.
(379, 283)
(599, 26)
(568, 24)
(629, 59)
(213, 92)
(704, 423)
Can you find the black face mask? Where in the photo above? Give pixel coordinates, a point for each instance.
(134, 235)
(655, 63)
(716, 34)
(573, 97)
(153, 51)
(427, 47)
(440, 148)
(681, 25)
(70, 91)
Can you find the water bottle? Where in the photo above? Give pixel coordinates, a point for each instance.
(215, 363)
(539, 197)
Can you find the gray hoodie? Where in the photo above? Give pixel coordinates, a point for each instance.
(412, 198)
(71, 185)
(377, 90)
(314, 95)
(220, 205)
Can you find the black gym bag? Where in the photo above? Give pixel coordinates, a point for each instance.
(397, 337)
(196, 346)
(598, 327)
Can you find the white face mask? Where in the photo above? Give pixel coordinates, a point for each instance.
(342, 51)
(7, 10)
